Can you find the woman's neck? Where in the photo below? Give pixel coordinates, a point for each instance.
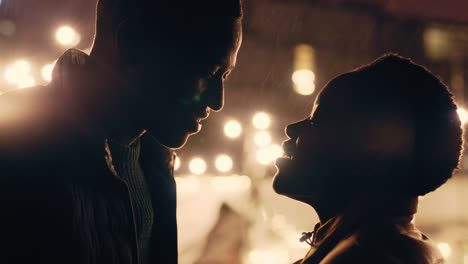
(364, 204)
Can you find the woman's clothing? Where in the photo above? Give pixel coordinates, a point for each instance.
(373, 232)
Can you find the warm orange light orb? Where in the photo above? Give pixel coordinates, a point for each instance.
(269, 154)
(262, 138)
(261, 120)
(67, 36)
(304, 82)
(46, 72)
(223, 163)
(19, 74)
(197, 166)
(233, 129)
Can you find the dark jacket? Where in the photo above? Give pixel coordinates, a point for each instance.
(61, 200)
(373, 231)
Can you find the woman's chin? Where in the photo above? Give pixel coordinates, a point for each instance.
(283, 182)
(289, 183)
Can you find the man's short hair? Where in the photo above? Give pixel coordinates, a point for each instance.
(169, 15)
(397, 85)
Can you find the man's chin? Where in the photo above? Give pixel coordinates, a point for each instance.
(172, 141)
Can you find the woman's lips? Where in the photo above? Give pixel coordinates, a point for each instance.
(289, 148)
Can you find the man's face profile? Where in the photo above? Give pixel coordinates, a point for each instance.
(180, 81)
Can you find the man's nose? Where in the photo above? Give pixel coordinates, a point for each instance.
(214, 96)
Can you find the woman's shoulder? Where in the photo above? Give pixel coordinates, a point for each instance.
(387, 245)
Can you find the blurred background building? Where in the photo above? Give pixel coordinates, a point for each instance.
(228, 213)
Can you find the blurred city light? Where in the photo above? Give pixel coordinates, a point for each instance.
(188, 184)
(17, 71)
(304, 66)
(304, 81)
(270, 256)
(269, 154)
(177, 163)
(262, 138)
(233, 129)
(46, 72)
(67, 36)
(445, 249)
(7, 27)
(261, 120)
(437, 42)
(20, 74)
(197, 166)
(28, 81)
(463, 115)
(224, 184)
(223, 163)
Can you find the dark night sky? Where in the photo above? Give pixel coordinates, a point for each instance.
(37, 20)
(441, 10)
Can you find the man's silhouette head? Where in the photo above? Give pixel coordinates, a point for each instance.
(388, 127)
(167, 61)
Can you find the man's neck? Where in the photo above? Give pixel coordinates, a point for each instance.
(128, 138)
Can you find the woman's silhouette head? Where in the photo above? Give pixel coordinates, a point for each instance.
(387, 127)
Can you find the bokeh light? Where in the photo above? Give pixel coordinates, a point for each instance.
(19, 74)
(26, 82)
(304, 66)
(463, 115)
(261, 120)
(197, 166)
(46, 72)
(223, 163)
(304, 82)
(223, 184)
(270, 256)
(445, 249)
(269, 154)
(67, 36)
(233, 129)
(262, 138)
(188, 184)
(177, 163)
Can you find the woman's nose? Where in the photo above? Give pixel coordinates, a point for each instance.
(293, 130)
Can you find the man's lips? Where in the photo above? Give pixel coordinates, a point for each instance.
(198, 117)
(195, 120)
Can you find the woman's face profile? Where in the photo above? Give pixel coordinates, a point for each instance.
(313, 151)
(342, 148)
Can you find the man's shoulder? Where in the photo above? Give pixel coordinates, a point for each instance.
(35, 124)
